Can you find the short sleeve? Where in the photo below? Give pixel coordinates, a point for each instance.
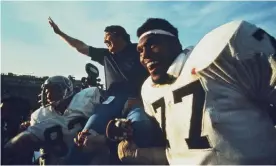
(97, 54)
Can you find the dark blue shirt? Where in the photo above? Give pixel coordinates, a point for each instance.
(123, 70)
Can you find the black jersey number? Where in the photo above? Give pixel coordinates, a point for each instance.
(195, 140)
(259, 35)
(54, 136)
(161, 104)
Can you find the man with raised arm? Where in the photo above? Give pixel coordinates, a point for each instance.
(124, 77)
(123, 70)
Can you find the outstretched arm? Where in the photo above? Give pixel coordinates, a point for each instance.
(80, 46)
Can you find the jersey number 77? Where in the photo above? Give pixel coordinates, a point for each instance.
(195, 140)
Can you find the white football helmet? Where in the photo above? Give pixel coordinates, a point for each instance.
(59, 83)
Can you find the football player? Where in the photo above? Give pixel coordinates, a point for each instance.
(98, 122)
(54, 125)
(211, 104)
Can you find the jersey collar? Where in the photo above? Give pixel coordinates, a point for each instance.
(177, 65)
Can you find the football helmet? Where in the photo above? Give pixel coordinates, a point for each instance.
(119, 129)
(59, 84)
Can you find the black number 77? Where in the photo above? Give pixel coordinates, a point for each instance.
(195, 140)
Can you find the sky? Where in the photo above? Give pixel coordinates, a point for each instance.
(29, 46)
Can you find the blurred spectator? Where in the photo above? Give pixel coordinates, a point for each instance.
(14, 111)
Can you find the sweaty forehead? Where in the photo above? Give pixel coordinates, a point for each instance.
(151, 39)
(144, 40)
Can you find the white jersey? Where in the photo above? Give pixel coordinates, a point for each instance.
(215, 116)
(58, 131)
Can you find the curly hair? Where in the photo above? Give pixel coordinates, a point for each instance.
(157, 23)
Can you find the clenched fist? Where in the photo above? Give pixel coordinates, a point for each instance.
(127, 151)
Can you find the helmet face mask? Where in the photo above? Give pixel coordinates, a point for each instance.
(53, 92)
(55, 89)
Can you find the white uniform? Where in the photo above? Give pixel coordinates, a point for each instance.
(222, 122)
(58, 131)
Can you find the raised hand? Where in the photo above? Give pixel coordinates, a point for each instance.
(54, 26)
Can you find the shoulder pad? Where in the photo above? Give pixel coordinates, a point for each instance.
(212, 44)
